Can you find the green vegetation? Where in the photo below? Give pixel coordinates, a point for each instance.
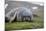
(36, 23)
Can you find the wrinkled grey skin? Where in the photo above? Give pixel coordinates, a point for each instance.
(20, 12)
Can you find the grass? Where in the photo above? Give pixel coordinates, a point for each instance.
(36, 23)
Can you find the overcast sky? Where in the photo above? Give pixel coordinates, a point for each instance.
(38, 2)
